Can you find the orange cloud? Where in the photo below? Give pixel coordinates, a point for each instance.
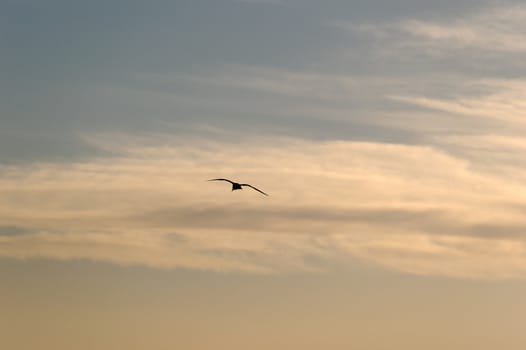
(410, 208)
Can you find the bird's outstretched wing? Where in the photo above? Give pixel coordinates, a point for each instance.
(227, 180)
(254, 188)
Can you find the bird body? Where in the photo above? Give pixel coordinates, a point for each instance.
(239, 186)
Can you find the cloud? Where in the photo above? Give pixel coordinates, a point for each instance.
(501, 100)
(497, 28)
(489, 35)
(13, 231)
(453, 256)
(401, 109)
(409, 208)
(263, 1)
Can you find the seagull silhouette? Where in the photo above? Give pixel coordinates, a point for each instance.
(238, 186)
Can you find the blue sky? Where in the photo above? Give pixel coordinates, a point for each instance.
(389, 135)
(82, 67)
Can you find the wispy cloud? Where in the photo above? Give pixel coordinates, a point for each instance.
(270, 80)
(346, 97)
(408, 208)
(497, 29)
(498, 99)
(264, 1)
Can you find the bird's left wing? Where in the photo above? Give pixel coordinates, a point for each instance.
(254, 188)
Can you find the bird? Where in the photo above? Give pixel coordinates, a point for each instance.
(238, 186)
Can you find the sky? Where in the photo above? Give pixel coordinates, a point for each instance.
(389, 136)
